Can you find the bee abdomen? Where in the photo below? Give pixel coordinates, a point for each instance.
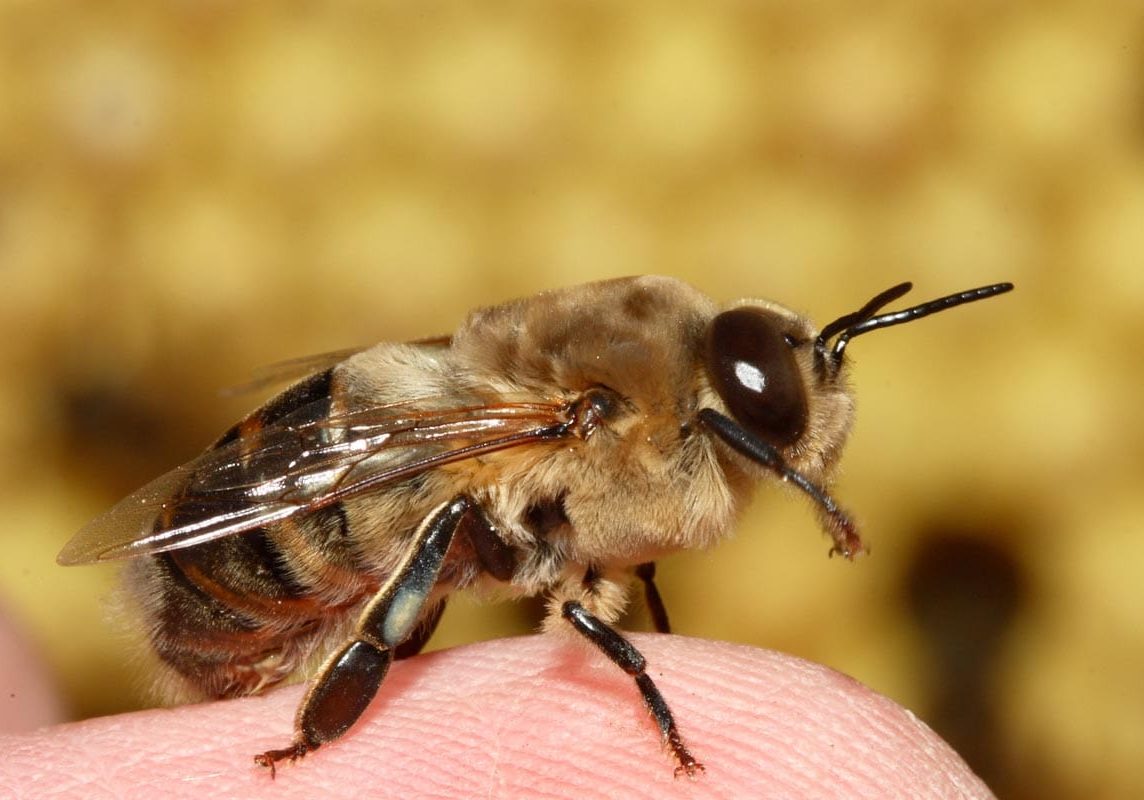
(228, 614)
(234, 615)
(214, 646)
(312, 394)
(246, 574)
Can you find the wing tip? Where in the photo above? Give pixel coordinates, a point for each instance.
(74, 556)
(81, 550)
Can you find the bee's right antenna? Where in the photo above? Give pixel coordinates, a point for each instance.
(864, 313)
(838, 524)
(849, 320)
(863, 321)
(915, 312)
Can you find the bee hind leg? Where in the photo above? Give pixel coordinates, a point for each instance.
(631, 661)
(272, 757)
(421, 636)
(350, 678)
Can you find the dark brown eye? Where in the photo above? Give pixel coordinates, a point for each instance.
(753, 369)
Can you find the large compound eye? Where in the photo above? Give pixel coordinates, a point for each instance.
(753, 369)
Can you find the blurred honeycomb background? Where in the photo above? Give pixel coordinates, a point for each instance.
(191, 189)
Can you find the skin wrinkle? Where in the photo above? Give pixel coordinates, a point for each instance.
(561, 731)
(801, 763)
(783, 782)
(862, 770)
(518, 700)
(888, 726)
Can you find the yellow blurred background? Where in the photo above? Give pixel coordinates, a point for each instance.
(189, 190)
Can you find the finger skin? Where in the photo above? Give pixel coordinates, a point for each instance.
(535, 717)
(28, 697)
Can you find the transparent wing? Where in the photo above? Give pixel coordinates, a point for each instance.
(300, 463)
(292, 369)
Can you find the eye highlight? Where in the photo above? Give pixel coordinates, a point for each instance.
(751, 365)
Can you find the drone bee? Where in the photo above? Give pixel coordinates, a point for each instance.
(556, 445)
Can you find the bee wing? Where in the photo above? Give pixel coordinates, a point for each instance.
(301, 463)
(291, 369)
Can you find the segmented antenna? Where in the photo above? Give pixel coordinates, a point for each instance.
(862, 321)
(861, 315)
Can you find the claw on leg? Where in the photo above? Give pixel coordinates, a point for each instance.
(272, 757)
(687, 764)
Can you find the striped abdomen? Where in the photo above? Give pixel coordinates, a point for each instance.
(236, 614)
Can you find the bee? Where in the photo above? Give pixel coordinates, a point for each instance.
(553, 446)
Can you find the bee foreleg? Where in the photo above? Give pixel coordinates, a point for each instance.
(631, 661)
(350, 678)
(646, 573)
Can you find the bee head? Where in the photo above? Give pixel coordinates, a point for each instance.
(782, 385)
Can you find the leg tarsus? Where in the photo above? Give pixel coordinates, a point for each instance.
(272, 757)
(631, 661)
(689, 768)
(666, 721)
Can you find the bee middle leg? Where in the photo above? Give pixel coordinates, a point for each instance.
(631, 661)
(652, 599)
(350, 678)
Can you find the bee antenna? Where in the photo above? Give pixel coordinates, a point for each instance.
(855, 317)
(837, 522)
(859, 327)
